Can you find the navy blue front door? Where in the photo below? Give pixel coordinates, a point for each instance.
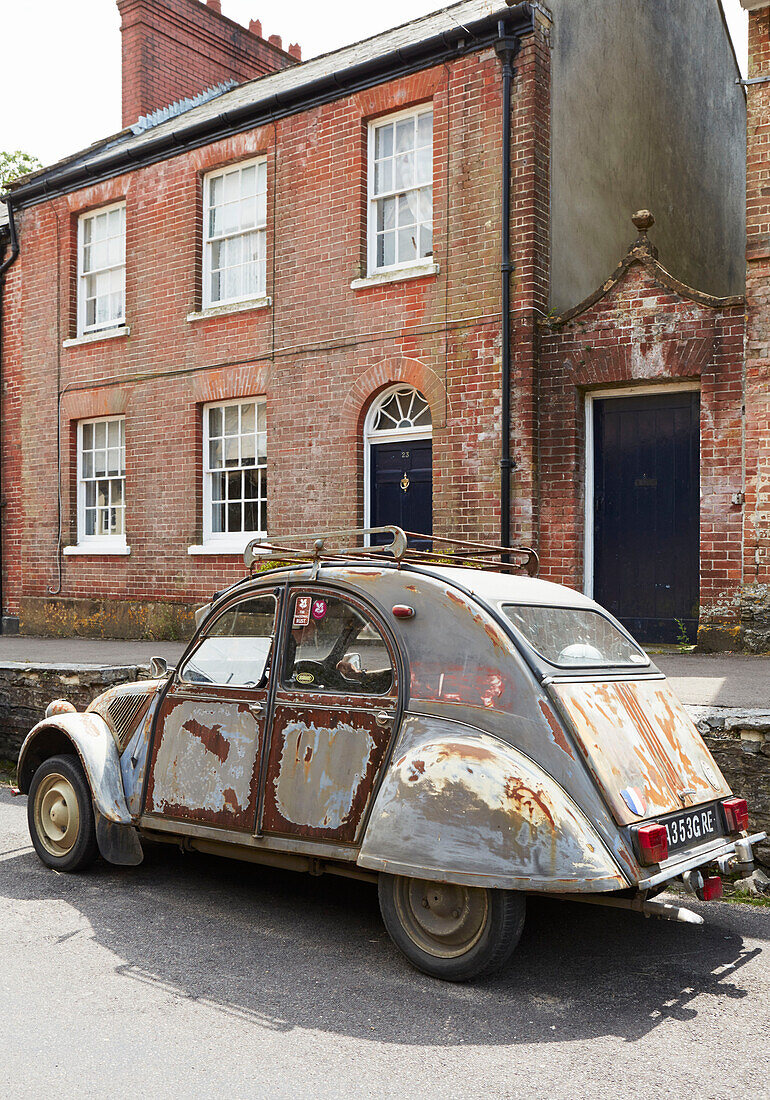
(402, 485)
(647, 512)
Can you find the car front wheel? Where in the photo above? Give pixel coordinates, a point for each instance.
(448, 931)
(60, 815)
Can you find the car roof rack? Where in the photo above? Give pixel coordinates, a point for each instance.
(349, 546)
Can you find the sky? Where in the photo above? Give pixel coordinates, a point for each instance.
(60, 69)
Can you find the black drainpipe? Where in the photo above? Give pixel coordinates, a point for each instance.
(506, 47)
(3, 268)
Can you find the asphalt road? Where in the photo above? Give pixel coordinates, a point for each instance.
(196, 977)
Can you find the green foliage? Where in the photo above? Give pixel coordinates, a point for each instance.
(684, 645)
(15, 164)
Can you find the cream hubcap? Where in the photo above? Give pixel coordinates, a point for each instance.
(442, 919)
(57, 815)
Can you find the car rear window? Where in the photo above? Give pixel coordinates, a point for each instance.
(573, 637)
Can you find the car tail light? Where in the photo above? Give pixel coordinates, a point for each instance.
(712, 889)
(736, 814)
(653, 843)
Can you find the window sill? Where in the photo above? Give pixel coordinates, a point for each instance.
(97, 551)
(397, 275)
(230, 307)
(95, 337)
(226, 546)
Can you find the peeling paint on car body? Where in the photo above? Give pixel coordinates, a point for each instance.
(475, 810)
(636, 734)
(204, 763)
(476, 766)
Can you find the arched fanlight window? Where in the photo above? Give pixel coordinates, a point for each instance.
(401, 409)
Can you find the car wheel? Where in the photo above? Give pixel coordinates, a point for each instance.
(451, 932)
(60, 814)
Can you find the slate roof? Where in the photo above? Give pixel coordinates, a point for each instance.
(263, 89)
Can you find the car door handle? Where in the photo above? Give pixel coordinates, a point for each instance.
(257, 709)
(383, 719)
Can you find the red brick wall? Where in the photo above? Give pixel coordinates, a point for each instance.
(320, 353)
(643, 333)
(756, 597)
(177, 48)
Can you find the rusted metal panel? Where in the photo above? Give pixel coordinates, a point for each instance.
(123, 707)
(95, 746)
(459, 806)
(204, 762)
(133, 761)
(324, 763)
(635, 735)
(461, 673)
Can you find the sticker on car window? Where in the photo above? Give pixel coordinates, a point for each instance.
(302, 611)
(319, 609)
(304, 677)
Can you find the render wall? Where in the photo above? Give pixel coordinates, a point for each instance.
(646, 114)
(320, 353)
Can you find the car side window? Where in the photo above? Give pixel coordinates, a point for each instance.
(332, 646)
(236, 649)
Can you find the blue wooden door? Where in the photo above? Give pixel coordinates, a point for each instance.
(647, 512)
(402, 485)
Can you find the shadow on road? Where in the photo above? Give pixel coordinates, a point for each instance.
(286, 950)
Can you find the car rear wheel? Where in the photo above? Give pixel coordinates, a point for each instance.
(448, 931)
(60, 815)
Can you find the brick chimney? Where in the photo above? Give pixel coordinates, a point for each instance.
(178, 48)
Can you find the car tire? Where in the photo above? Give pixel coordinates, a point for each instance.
(60, 815)
(451, 932)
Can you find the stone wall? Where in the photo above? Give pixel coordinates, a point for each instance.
(26, 690)
(740, 742)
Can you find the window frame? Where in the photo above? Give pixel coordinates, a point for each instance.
(207, 302)
(228, 541)
(372, 269)
(84, 329)
(96, 542)
(285, 686)
(181, 681)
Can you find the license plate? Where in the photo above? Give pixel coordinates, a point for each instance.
(692, 827)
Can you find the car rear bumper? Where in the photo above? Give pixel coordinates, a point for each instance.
(695, 857)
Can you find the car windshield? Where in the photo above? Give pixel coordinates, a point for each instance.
(574, 637)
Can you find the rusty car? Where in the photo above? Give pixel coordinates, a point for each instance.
(426, 715)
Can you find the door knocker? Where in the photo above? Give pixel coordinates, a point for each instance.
(405, 482)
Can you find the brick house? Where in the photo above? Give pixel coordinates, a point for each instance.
(274, 303)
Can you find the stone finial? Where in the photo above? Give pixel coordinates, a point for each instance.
(215, 5)
(643, 220)
(296, 50)
(276, 40)
(255, 26)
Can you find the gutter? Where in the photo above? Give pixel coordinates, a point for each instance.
(435, 50)
(4, 266)
(506, 47)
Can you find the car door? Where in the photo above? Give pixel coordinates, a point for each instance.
(335, 708)
(211, 725)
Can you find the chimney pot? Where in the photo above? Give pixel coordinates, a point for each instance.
(296, 51)
(276, 40)
(255, 27)
(215, 5)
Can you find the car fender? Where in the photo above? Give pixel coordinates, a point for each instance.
(92, 740)
(457, 805)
